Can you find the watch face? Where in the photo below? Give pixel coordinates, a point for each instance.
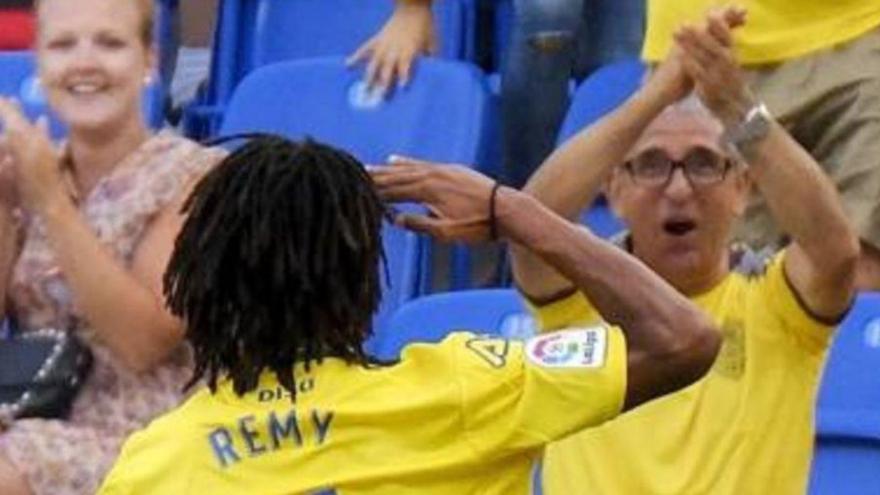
(759, 124)
(752, 130)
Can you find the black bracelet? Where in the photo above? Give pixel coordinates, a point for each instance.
(493, 224)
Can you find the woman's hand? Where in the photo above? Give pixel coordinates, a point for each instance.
(33, 158)
(390, 53)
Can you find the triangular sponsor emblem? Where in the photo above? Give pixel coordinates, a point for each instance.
(492, 350)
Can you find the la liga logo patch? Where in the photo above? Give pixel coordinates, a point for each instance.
(573, 348)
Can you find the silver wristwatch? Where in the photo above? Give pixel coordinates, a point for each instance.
(744, 136)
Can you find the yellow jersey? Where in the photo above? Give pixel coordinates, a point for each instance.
(469, 415)
(746, 428)
(775, 31)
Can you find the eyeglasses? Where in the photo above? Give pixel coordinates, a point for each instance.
(701, 166)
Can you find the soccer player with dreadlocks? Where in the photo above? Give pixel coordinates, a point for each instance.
(277, 273)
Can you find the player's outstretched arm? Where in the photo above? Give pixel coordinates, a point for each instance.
(670, 342)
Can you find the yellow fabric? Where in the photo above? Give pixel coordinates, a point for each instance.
(469, 415)
(776, 30)
(745, 428)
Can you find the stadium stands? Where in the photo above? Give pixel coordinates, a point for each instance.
(847, 458)
(254, 33)
(440, 116)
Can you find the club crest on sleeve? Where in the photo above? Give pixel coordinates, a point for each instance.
(571, 348)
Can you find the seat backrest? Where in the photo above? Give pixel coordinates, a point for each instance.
(429, 319)
(440, 116)
(600, 93)
(18, 80)
(847, 457)
(402, 258)
(317, 28)
(851, 381)
(15, 68)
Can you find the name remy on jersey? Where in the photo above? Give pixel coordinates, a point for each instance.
(254, 435)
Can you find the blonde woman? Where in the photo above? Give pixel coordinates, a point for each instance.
(85, 234)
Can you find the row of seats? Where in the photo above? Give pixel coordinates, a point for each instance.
(253, 33)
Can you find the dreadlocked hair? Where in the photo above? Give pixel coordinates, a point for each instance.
(277, 262)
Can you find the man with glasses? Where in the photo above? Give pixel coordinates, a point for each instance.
(678, 173)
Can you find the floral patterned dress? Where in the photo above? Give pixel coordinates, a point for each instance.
(71, 457)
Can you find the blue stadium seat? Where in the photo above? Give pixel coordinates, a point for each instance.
(16, 68)
(402, 255)
(18, 80)
(430, 318)
(596, 96)
(440, 116)
(847, 458)
(599, 94)
(253, 33)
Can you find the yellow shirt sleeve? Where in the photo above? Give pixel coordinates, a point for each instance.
(572, 310)
(809, 332)
(518, 396)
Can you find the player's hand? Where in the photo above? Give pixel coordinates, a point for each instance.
(391, 53)
(456, 197)
(709, 60)
(34, 158)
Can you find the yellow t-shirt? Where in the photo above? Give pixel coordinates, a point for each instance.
(776, 30)
(745, 428)
(469, 415)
